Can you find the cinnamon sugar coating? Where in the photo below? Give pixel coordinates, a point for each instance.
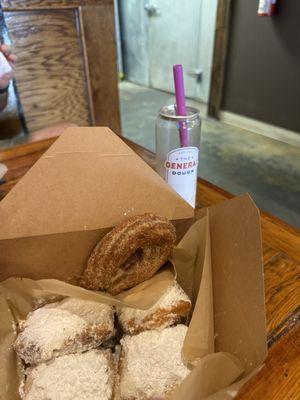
(129, 254)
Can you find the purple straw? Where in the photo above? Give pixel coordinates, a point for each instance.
(180, 103)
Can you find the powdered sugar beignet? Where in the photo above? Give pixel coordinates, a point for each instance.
(151, 364)
(88, 376)
(168, 310)
(69, 326)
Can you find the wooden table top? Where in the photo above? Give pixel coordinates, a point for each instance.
(279, 377)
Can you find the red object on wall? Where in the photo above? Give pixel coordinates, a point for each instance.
(266, 8)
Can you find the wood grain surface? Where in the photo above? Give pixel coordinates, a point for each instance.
(66, 69)
(12, 5)
(99, 32)
(279, 377)
(49, 70)
(12, 122)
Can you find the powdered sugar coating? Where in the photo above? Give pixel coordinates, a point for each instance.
(90, 311)
(152, 364)
(64, 327)
(85, 376)
(173, 305)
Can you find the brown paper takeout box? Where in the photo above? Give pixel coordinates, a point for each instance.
(86, 182)
(82, 186)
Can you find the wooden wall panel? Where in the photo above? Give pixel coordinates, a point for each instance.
(12, 122)
(50, 72)
(40, 4)
(67, 68)
(99, 32)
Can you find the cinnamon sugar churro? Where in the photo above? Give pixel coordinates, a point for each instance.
(131, 253)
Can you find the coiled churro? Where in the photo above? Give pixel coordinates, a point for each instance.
(129, 254)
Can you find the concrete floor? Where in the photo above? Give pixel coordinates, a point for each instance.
(236, 160)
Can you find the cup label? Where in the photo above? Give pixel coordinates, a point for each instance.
(181, 172)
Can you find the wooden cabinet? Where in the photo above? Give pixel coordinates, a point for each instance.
(66, 68)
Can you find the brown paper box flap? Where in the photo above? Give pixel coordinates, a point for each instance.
(199, 340)
(88, 179)
(238, 301)
(238, 285)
